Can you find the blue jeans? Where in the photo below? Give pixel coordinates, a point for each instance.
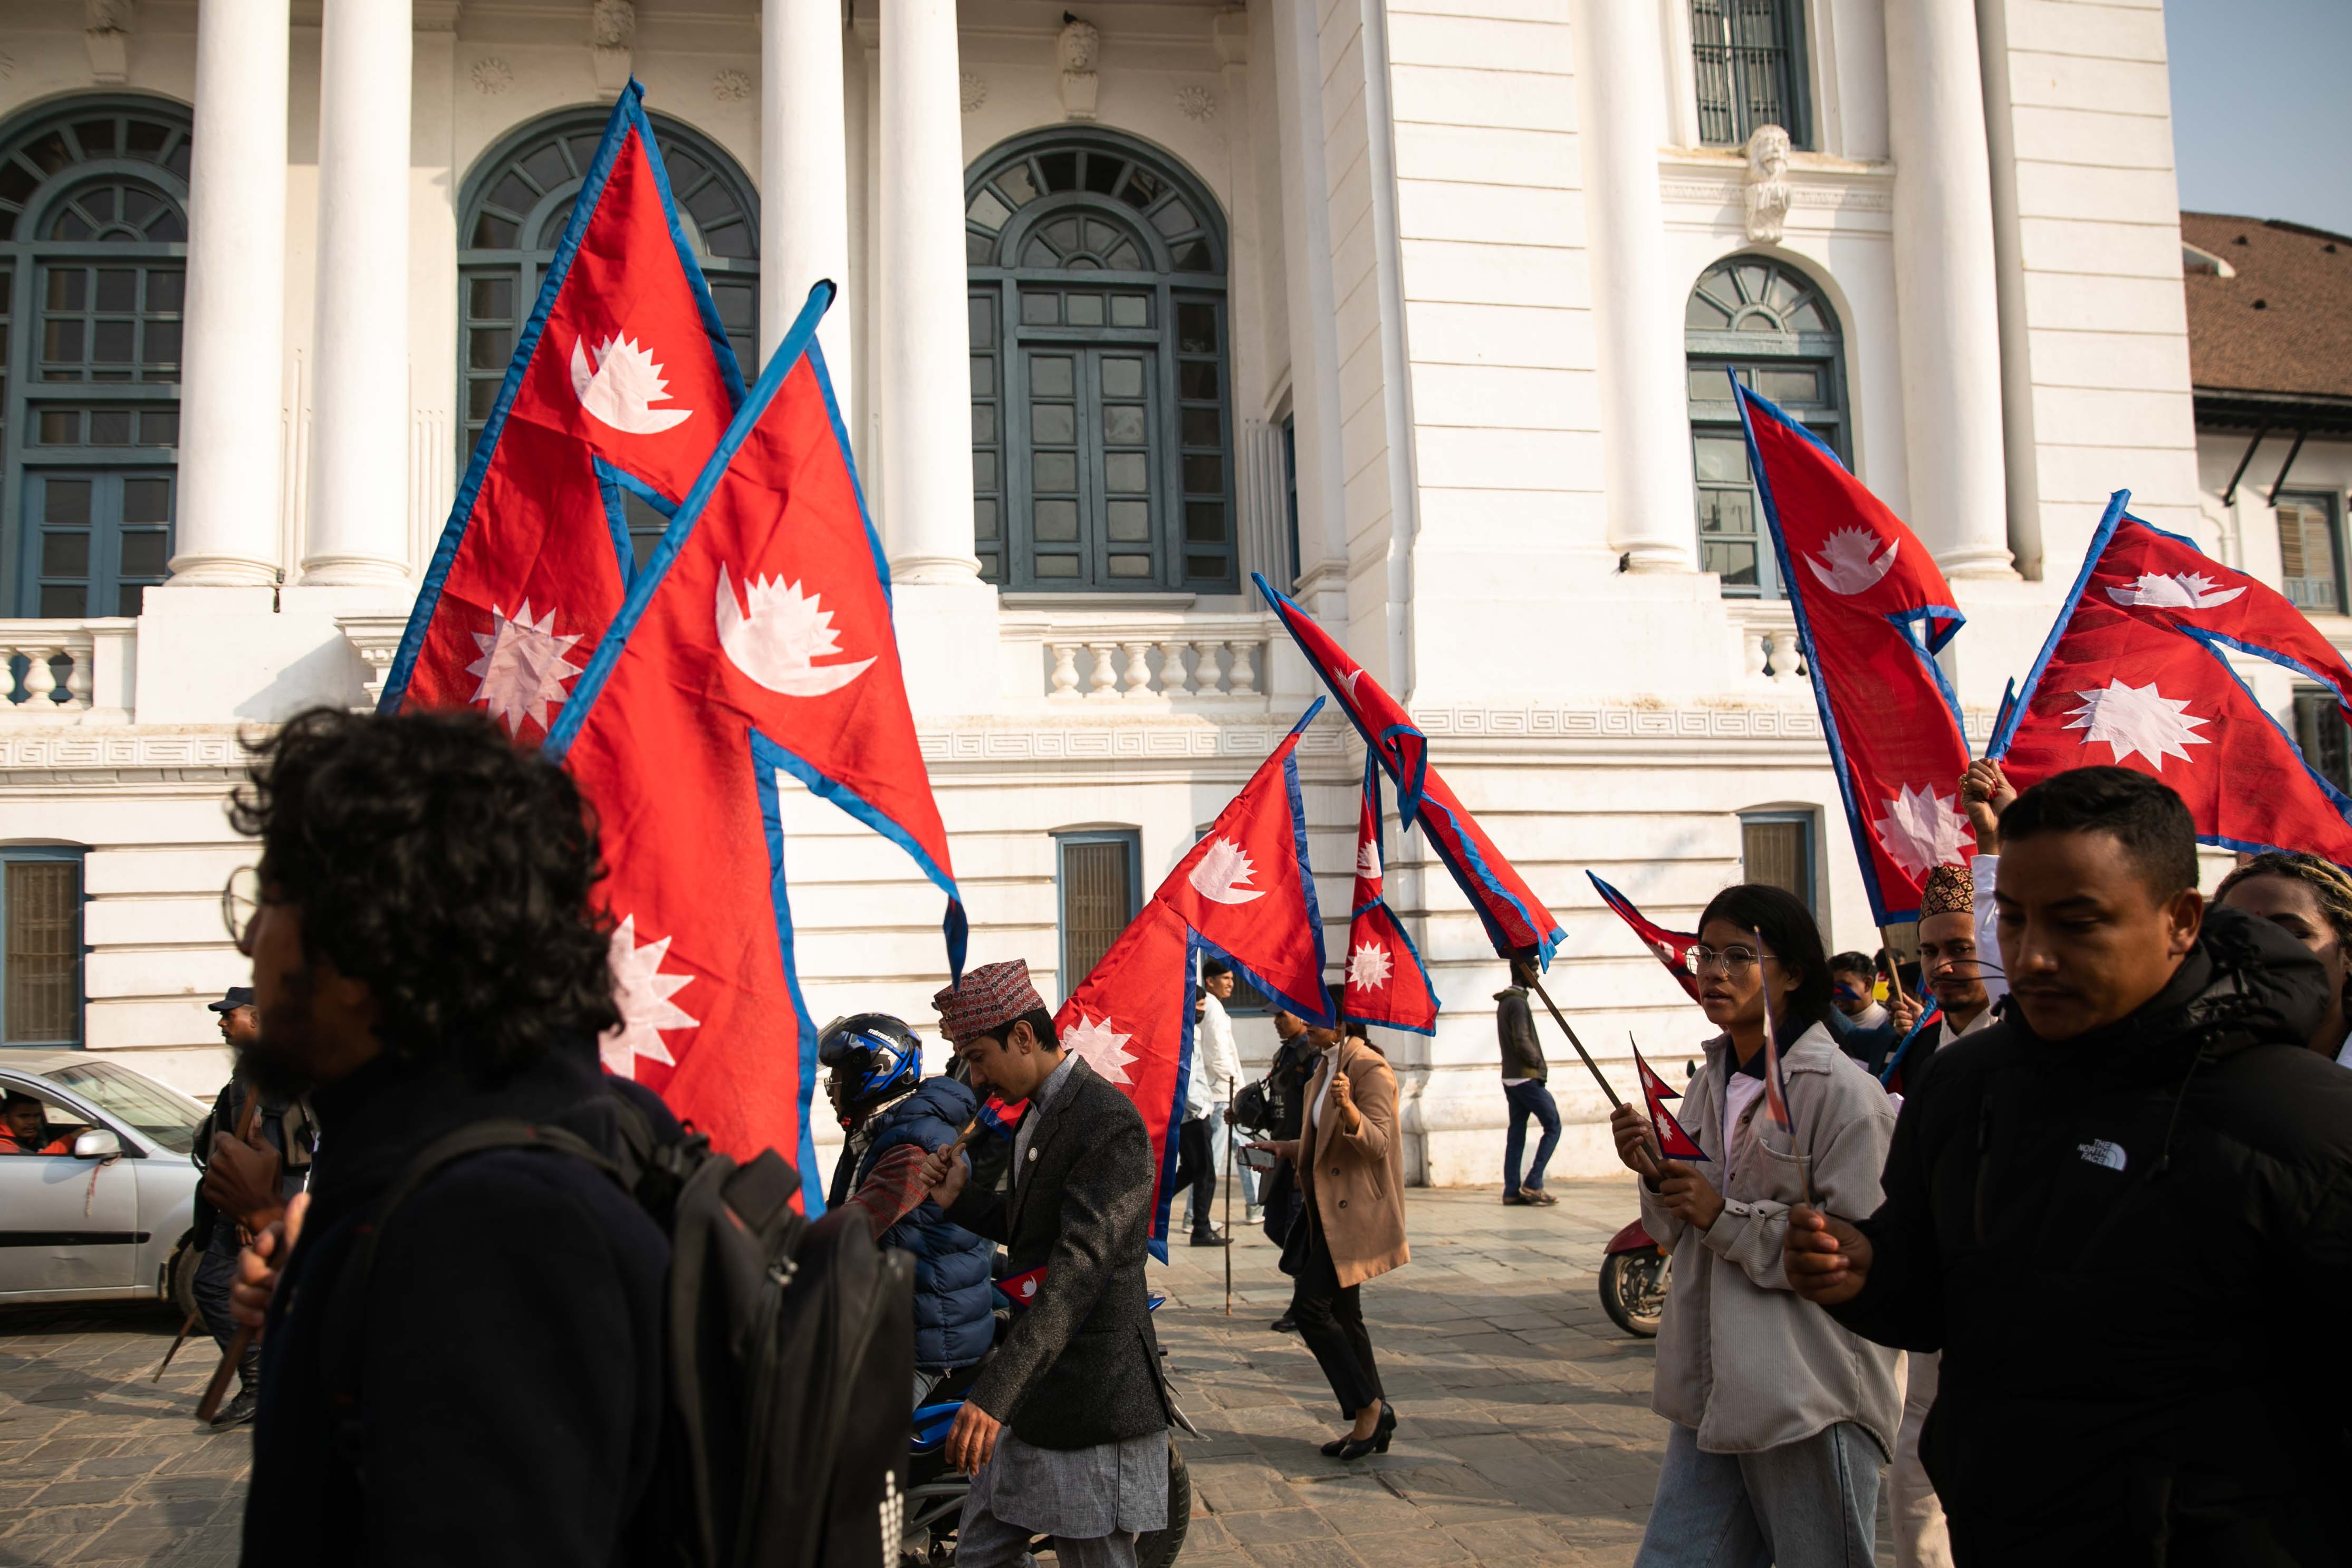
(1809, 1504)
(1528, 1099)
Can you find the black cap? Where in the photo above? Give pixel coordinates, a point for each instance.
(236, 997)
(1210, 969)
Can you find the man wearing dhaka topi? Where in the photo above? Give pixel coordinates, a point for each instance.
(1066, 1431)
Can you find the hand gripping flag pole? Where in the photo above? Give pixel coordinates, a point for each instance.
(1673, 1143)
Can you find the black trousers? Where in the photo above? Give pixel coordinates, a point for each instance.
(1196, 1168)
(1331, 1322)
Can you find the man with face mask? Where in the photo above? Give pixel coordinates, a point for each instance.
(2076, 1195)
(426, 958)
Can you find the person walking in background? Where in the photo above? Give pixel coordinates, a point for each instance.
(1781, 1418)
(250, 1175)
(1525, 1092)
(1216, 1061)
(1350, 1162)
(2145, 1129)
(1196, 1161)
(2310, 901)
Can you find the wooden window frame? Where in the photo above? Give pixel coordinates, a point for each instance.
(1810, 821)
(12, 854)
(1793, 66)
(1131, 839)
(2332, 513)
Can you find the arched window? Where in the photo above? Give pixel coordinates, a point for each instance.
(516, 203)
(1102, 445)
(93, 247)
(1768, 323)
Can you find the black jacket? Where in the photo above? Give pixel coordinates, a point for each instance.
(1081, 1365)
(511, 1400)
(2131, 1248)
(1514, 1030)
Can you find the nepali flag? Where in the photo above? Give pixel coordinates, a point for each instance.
(1871, 612)
(622, 381)
(1386, 982)
(1516, 922)
(756, 641)
(1890, 1077)
(1673, 947)
(1243, 895)
(2136, 673)
(1673, 1142)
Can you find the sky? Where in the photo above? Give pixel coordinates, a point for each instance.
(2259, 94)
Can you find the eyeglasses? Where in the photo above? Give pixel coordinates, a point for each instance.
(240, 901)
(1732, 961)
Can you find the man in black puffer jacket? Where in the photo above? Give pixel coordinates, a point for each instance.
(425, 956)
(2114, 1212)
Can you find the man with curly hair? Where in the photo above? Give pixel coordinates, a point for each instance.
(426, 956)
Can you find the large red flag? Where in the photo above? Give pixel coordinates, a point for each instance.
(1514, 918)
(1871, 610)
(2136, 673)
(1387, 983)
(1245, 894)
(757, 640)
(1673, 947)
(622, 379)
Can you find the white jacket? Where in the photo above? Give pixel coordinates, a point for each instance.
(1216, 1065)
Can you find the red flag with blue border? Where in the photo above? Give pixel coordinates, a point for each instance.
(1516, 920)
(2136, 673)
(757, 642)
(1672, 947)
(622, 380)
(1873, 611)
(1387, 984)
(1243, 893)
(1673, 1142)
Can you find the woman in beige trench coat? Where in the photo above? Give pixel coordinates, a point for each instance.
(1351, 1165)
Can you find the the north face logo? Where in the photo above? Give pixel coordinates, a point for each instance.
(2100, 1152)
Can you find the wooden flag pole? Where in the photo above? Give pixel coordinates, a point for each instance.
(1536, 985)
(1233, 1178)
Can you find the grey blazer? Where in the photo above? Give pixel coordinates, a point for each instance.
(1080, 1366)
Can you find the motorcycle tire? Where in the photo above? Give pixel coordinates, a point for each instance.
(1159, 1548)
(1633, 1290)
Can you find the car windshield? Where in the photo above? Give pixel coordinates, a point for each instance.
(154, 1110)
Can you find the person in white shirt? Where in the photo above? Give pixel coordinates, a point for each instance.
(1208, 1098)
(1852, 977)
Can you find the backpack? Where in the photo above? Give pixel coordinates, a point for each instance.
(790, 1352)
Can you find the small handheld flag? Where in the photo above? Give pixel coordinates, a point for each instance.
(1673, 1142)
(1776, 1087)
(1673, 947)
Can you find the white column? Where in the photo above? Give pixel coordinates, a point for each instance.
(925, 377)
(1947, 307)
(1637, 291)
(234, 336)
(805, 178)
(358, 403)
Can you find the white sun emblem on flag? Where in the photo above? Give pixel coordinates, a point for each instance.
(1368, 967)
(1222, 869)
(2138, 719)
(1921, 831)
(643, 994)
(1103, 1048)
(1845, 565)
(523, 666)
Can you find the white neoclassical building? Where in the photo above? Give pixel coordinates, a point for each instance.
(1422, 306)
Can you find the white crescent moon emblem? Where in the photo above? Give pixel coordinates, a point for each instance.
(620, 391)
(774, 642)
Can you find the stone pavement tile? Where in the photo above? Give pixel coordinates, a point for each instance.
(1257, 1528)
(1400, 1549)
(80, 1522)
(1524, 1536)
(1324, 1551)
(1228, 1491)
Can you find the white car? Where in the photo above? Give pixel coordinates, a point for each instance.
(103, 1216)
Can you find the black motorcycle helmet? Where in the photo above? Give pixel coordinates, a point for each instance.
(873, 1059)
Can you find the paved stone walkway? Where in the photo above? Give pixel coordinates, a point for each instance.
(1527, 1435)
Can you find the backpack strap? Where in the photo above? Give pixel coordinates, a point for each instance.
(344, 1331)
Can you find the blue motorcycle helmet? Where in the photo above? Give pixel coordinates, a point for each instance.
(872, 1060)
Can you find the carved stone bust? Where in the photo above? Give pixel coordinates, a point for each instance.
(613, 25)
(1768, 184)
(1079, 44)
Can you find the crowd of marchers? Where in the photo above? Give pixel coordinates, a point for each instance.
(2046, 1262)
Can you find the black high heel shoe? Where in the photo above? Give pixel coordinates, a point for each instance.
(1378, 1443)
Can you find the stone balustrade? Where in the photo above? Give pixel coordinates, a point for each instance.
(1768, 650)
(50, 666)
(1107, 655)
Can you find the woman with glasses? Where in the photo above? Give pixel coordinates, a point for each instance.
(1781, 1419)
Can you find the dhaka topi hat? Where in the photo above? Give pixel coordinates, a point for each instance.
(990, 997)
(1950, 889)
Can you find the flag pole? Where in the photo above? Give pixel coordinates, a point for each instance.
(1779, 1084)
(1232, 1175)
(1593, 1067)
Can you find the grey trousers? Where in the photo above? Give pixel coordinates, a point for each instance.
(1810, 1504)
(984, 1541)
(216, 1272)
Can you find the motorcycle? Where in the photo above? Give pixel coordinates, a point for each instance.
(1633, 1276)
(935, 1494)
